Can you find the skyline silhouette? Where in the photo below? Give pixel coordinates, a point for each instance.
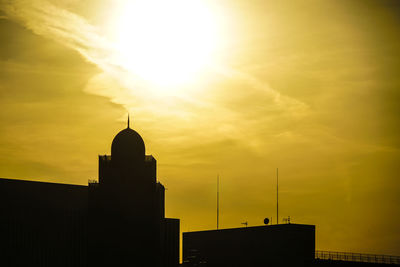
(117, 220)
(235, 89)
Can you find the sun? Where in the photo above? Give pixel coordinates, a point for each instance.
(167, 43)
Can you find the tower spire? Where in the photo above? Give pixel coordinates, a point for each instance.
(128, 120)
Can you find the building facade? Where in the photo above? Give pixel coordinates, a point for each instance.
(118, 220)
(270, 245)
(281, 245)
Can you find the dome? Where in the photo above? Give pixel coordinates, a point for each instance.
(127, 147)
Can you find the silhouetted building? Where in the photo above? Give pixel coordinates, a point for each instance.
(43, 224)
(283, 245)
(117, 221)
(271, 245)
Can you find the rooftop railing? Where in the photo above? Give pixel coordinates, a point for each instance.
(356, 257)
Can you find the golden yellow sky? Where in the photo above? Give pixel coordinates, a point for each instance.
(235, 88)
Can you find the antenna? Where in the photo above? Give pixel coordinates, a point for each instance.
(277, 197)
(287, 220)
(128, 120)
(217, 201)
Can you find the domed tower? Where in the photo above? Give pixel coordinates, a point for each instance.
(127, 149)
(127, 224)
(125, 205)
(128, 163)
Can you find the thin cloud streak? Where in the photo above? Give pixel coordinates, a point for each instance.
(60, 25)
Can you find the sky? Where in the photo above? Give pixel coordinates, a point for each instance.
(229, 88)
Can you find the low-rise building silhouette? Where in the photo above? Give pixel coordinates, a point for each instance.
(118, 220)
(270, 245)
(279, 245)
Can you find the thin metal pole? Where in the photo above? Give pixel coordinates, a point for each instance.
(217, 201)
(277, 198)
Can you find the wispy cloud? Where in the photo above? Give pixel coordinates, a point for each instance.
(60, 25)
(56, 23)
(237, 107)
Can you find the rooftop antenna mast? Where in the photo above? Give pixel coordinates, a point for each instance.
(128, 120)
(217, 201)
(277, 197)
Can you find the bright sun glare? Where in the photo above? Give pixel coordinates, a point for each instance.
(166, 43)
